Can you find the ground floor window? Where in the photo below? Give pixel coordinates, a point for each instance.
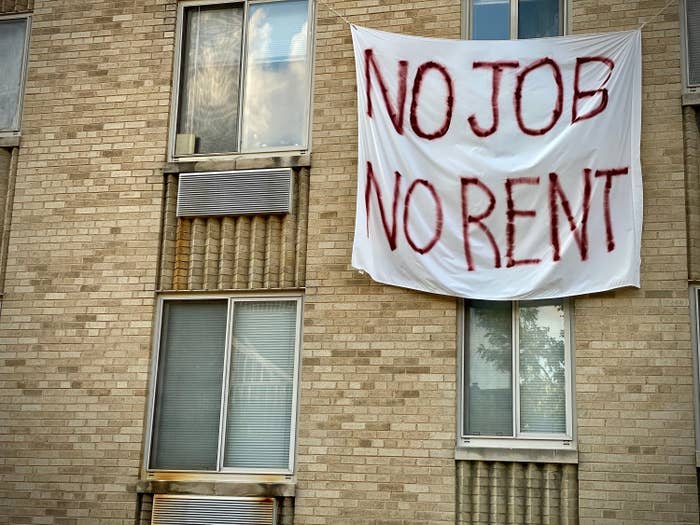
(516, 373)
(226, 385)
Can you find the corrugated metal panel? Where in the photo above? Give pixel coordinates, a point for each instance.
(235, 253)
(693, 36)
(251, 192)
(509, 493)
(202, 510)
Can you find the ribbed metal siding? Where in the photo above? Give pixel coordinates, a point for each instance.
(235, 253)
(693, 35)
(194, 510)
(253, 192)
(16, 6)
(513, 493)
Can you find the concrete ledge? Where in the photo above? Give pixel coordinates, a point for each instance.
(216, 488)
(517, 455)
(691, 99)
(238, 163)
(9, 141)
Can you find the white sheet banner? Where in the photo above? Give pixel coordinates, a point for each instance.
(499, 170)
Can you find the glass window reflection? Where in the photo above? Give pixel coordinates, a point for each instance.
(538, 18)
(274, 106)
(490, 19)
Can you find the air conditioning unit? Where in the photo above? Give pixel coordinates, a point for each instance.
(211, 510)
(245, 192)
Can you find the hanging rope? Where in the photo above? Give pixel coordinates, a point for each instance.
(657, 15)
(336, 13)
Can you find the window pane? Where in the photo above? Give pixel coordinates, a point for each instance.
(490, 19)
(276, 89)
(542, 368)
(488, 386)
(538, 18)
(261, 389)
(211, 51)
(188, 397)
(12, 40)
(692, 16)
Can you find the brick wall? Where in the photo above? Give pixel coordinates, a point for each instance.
(634, 383)
(377, 422)
(76, 317)
(378, 390)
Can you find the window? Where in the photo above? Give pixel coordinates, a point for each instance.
(242, 77)
(691, 44)
(505, 19)
(14, 37)
(516, 380)
(225, 393)
(695, 338)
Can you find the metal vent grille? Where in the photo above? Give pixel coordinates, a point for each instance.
(254, 192)
(692, 17)
(205, 510)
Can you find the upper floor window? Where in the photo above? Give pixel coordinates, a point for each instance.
(516, 373)
(506, 19)
(242, 77)
(691, 44)
(14, 37)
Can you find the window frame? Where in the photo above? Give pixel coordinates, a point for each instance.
(519, 440)
(17, 123)
(467, 19)
(231, 299)
(177, 69)
(685, 61)
(694, 303)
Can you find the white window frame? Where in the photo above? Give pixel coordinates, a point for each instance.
(685, 63)
(231, 299)
(177, 63)
(467, 22)
(520, 440)
(17, 125)
(694, 301)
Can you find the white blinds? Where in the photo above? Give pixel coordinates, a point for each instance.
(528, 340)
(692, 17)
(489, 384)
(259, 388)
(12, 40)
(260, 403)
(542, 368)
(188, 401)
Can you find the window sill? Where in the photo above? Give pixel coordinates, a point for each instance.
(9, 141)
(691, 98)
(238, 163)
(516, 455)
(218, 488)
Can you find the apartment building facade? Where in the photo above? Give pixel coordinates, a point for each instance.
(182, 334)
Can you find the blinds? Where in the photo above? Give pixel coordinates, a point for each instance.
(258, 426)
(188, 402)
(12, 40)
(534, 350)
(692, 17)
(542, 368)
(260, 385)
(489, 388)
